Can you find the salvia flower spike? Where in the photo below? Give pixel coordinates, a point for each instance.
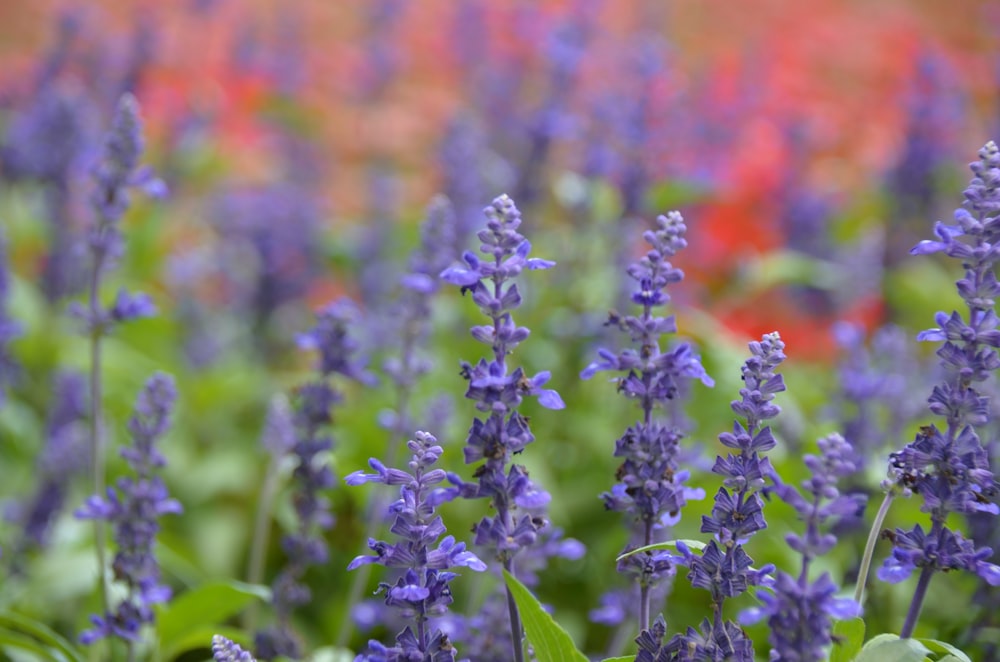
(425, 559)
(651, 489)
(800, 612)
(518, 503)
(314, 404)
(133, 510)
(723, 568)
(225, 650)
(949, 467)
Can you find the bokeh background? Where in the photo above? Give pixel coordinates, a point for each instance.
(809, 144)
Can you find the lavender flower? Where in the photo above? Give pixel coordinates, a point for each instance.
(498, 392)
(312, 475)
(875, 403)
(224, 650)
(269, 244)
(950, 469)
(44, 143)
(410, 314)
(134, 510)
(115, 173)
(9, 328)
(64, 456)
(799, 611)
(651, 490)
(724, 568)
(422, 591)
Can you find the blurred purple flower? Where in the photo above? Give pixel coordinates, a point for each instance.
(134, 510)
(312, 475)
(224, 650)
(800, 612)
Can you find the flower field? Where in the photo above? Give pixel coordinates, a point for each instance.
(499, 331)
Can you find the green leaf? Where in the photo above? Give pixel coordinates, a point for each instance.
(890, 648)
(696, 545)
(21, 642)
(550, 642)
(849, 637)
(203, 607)
(201, 638)
(943, 647)
(625, 658)
(41, 633)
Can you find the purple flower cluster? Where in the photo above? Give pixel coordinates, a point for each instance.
(422, 590)
(312, 474)
(498, 392)
(134, 510)
(9, 328)
(64, 456)
(115, 174)
(651, 487)
(724, 568)
(949, 468)
(225, 650)
(800, 612)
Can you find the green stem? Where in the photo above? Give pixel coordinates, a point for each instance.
(866, 560)
(261, 532)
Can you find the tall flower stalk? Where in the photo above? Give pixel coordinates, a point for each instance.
(314, 403)
(651, 490)
(949, 468)
(800, 612)
(422, 590)
(724, 568)
(134, 510)
(412, 310)
(498, 392)
(116, 173)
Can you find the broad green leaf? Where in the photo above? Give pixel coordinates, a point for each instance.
(849, 637)
(943, 647)
(11, 641)
(550, 642)
(42, 634)
(696, 545)
(203, 607)
(200, 638)
(624, 658)
(890, 648)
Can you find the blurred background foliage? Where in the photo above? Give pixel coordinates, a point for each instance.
(809, 145)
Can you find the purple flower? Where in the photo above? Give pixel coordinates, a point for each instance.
(800, 612)
(63, 457)
(224, 650)
(115, 173)
(422, 590)
(308, 445)
(651, 486)
(9, 329)
(134, 510)
(724, 568)
(269, 245)
(949, 468)
(519, 505)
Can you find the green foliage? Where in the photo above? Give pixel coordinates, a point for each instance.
(182, 625)
(32, 636)
(849, 638)
(549, 641)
